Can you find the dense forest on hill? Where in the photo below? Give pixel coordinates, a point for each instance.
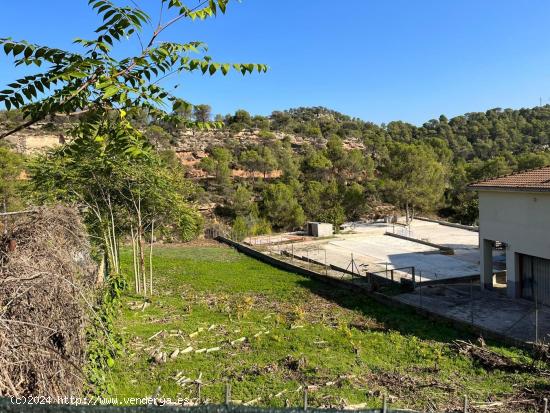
(343, 167)
(348, 166)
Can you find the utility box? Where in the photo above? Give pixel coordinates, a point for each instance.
(319, 229)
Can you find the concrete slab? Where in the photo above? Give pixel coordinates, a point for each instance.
(371, 247)
(490, 310)
(379, 252)
(456, 238)
(463, 242)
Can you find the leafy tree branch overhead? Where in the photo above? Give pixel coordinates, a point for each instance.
(96, 80)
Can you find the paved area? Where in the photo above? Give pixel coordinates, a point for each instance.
(428, 262)
(456, 238)
(490, 310)
(368, 246)
(463, 242)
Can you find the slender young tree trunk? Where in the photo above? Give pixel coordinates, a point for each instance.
(142, 260)
(114, 244)
(134, 260)
(110, 248)
(141, 243)
(407, 212)
(114, 239)
(151, 257)
(115, 248)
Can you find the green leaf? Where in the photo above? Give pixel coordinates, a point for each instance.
(18, 48)
(109, 92)
(77, 74)
(103, 85)
(28, 52)
(193, 64)
(8, 47)
(213, 68)
(32, 90)
(40, 52)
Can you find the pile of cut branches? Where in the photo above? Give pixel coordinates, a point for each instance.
(46, 281)
(488, 359)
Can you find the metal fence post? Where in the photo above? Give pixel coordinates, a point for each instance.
(536, 325)
(305, 398)
(420, 288)
(154, 396)
(385, 405)
(535, 294)
(545, 405)
(227, 394)
(465, 404)
(472, 301)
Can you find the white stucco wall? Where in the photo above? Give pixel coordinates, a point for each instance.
(320, 229)
(519, 219)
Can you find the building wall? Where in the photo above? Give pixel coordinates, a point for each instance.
(519, 219)
(319, 229)
(324, 230)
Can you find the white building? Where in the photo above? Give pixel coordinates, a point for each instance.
(319, 229)
(515, 211)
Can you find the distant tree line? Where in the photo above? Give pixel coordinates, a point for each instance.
(419, 169)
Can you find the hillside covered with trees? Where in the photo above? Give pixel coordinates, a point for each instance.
(318, 164)
(343, 166)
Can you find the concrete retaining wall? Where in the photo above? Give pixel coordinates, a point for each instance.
(283, 265)
(450, 281)
(450, 224)
(378, 279)
(443, 249)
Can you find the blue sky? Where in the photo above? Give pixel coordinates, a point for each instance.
(380, 60)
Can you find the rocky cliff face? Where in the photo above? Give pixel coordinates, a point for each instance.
(42, 136)
(34, 139)
(194, 140)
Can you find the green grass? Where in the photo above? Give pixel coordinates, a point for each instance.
(350, 349)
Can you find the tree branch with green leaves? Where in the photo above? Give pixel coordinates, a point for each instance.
(95, 80)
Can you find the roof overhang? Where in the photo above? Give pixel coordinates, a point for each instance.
(508, 189)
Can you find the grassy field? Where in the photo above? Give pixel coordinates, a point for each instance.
(348, 349)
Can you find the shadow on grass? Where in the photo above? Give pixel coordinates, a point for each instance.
(403, 320)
